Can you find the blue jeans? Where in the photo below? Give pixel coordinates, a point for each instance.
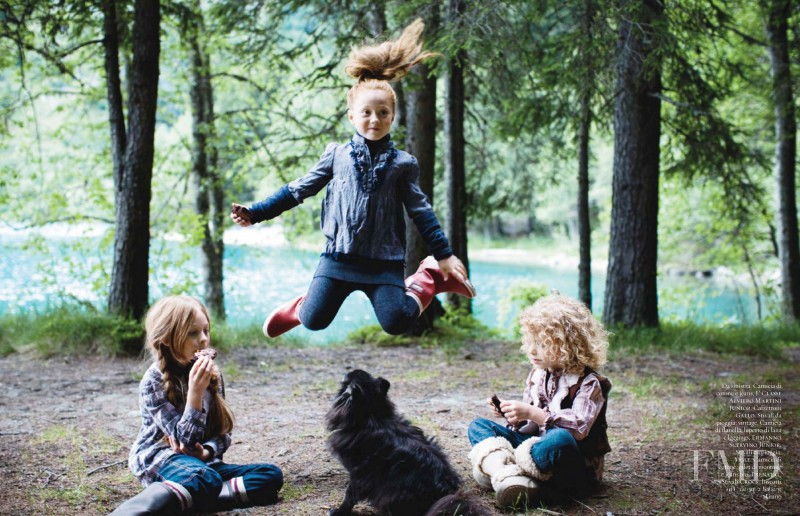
(556, 452)
(395, 310)
(204, 481)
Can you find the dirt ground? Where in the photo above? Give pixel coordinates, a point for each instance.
(67, 425)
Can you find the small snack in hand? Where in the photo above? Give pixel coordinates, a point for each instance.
(206, 352)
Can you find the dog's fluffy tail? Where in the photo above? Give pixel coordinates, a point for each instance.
(457, 504)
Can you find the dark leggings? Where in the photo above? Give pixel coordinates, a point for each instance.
(395, 310)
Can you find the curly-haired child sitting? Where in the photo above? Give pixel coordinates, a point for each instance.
(553, 444)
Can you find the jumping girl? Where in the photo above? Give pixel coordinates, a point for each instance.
(369, 183)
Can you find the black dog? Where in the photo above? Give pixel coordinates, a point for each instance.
(391, 463)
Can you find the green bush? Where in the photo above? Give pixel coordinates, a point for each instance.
(519, 297)
(450, 332)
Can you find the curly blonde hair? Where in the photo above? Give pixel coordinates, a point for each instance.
(167, 326)
(565, 332)
(373, 66)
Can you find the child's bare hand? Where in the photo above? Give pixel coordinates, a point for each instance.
(200, 375)
(515, 411)
(241, 215)
(452, 265)
(198, 450)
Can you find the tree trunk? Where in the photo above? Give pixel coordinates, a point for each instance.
(584, 225)
(785, 156)
(209, 200)
(454, 170)
(128, 295)
(421, 142)
(631, 296)
(116, 116)
(218, 215)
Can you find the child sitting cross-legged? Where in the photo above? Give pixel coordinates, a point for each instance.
(552, 443)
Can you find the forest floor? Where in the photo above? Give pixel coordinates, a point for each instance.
(67, 424)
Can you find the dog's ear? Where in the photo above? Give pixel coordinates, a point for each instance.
(384, 385)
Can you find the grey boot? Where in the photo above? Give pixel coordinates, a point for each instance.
(156, 499)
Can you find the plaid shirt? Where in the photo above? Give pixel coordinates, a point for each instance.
(160, 418)
(547, 390)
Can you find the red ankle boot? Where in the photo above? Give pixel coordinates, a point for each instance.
(284, 318)
(429, 281)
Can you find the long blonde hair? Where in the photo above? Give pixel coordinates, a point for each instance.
(167, 325)
(373, 66)
(566, 333)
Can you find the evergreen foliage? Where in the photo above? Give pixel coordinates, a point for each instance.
(279, 87)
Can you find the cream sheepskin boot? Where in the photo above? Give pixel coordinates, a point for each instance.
(513, 488)
(524, 459)
(516, 484)
(488, 457)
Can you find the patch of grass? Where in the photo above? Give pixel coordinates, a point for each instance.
(231, 371)
(716, 411)
(327, 386)
(60, 436)
(68, 443)
(759, 341)
(653, 386)
(425, 422)
(225, 337)
(269, 367)
(295, 491)
(646, 387)
(421, 374)
(76, 496)
(83, 330)
(77, 445)
(470, 373)
(374, 334)
(69, 329)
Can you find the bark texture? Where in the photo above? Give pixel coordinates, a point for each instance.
(584, 224)
(209, 195)
(454, 162)
(128, 294)
(631, 297)
(785, 157)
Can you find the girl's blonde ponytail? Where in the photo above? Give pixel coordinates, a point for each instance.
(373, 66)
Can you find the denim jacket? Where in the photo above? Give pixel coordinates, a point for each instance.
(362, 212)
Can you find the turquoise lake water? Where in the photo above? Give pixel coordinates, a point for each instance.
(259, 279)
